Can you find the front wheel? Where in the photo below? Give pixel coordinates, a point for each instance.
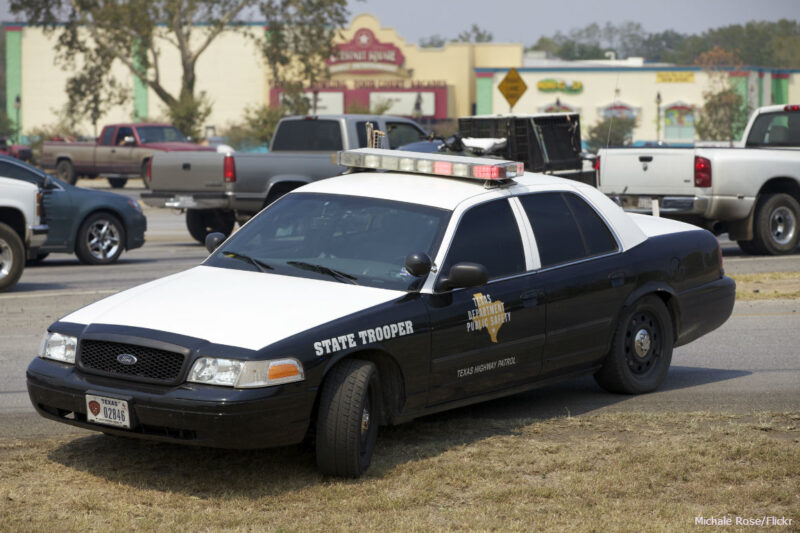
(347, 424)
(641, 351)
(201, 222)
(12, 257)
(101, 239)
(776, 228)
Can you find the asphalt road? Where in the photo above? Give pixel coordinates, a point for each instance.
(751, 363)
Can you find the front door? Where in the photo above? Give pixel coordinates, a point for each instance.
(490, 337)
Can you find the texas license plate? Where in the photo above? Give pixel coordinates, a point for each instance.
(645, 203)
(108, 411)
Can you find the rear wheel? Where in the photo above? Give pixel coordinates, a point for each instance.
(749, 247)
(117, 183)
(641, 351)
(201, 222)
(66, 172)
(101, 239)
(12, 257)
(776, 222)
(347, 424)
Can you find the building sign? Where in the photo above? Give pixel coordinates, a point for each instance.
(552, 85)
(674, 77)
(365, 55)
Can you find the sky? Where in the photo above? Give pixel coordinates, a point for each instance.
(526, 20)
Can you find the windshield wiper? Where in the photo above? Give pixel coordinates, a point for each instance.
(261, 265)
(322, 269)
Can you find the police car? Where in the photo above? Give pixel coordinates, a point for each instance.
(413, 284)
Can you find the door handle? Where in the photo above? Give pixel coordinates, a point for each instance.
(617, 279)
(187, 166)
(531, 298)
(645, 158)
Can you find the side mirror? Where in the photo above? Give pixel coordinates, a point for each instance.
(128, 140)
(48, 183)
(465, 275)
(418, 264)
(213, 240)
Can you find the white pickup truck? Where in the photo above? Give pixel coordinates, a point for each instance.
(750, 190)
(21, 229)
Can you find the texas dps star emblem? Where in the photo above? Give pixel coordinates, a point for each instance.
(488, 314)
(94, 407)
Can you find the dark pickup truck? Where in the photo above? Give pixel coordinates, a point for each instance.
(122, 151)
(218, 189)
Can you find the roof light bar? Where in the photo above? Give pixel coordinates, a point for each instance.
(482, 168)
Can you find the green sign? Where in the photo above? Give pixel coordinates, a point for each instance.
(552, 85)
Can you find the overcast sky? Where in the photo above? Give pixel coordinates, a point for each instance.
(527, 20)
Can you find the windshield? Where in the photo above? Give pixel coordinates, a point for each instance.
(160, 134)
(775, 129)
(342, 239)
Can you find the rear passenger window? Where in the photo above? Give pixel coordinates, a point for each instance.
(566, 228)
(488, 234)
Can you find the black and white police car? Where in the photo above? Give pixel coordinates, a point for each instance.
(413, 284)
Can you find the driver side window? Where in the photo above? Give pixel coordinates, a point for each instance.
(488, 234)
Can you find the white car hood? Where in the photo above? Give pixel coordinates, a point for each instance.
(234, 307)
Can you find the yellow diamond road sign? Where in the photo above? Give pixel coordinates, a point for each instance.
(512, 87)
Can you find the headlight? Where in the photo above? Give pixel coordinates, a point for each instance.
(58, 347)
(245, 374)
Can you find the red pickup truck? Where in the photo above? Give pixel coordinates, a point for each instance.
(122, 151)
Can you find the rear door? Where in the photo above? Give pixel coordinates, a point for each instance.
(647, 171)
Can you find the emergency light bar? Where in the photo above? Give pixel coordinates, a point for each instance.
(481, 168)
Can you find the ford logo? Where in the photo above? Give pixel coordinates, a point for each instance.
(127, 359)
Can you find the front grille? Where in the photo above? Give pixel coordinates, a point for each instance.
(154, 365)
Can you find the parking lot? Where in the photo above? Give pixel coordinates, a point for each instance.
(749, 364)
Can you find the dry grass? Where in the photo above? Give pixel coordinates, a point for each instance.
(770, 285)
(606, 472)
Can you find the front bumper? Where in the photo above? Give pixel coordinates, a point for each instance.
(196, 200)
(37, 238)
(136, 227)
(193, 414)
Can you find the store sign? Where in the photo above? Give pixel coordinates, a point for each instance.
(365, 55)
(552, 85)
(674, 77)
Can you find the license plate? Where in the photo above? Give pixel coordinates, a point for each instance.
(645, 203)
(107, 411)
(181, 201)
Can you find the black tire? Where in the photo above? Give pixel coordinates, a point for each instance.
(749, 247)
(100, 240)
(117, 183)
(777, 224)
(348, 419)
(66, 172)
(633, 367)
(12, 257)
(201, 222)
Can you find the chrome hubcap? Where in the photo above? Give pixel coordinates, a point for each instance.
(6, 259)
(103, 240)
(783, 224)
(641, 342)
(364, 421)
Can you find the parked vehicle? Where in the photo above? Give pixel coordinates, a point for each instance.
(380, 296)
(122, 151)
(751, 190)
(20, 151)
(22, 228)
(94, 225)
(217, 189)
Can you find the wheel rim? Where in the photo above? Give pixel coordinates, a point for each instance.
(782, 224)
(642, 342)
(365, 422)
(103, 240)
(6, 259)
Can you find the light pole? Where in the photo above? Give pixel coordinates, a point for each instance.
(658, 117)
(17, 105)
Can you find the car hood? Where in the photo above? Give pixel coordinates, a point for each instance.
(233, 307)
(179, 147)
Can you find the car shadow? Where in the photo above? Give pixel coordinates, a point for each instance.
(212, 473)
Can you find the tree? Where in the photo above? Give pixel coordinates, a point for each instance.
(434, 41)
(135, 33)
(474, 35)
(610, 131)
(724, 113)
(299, 40)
